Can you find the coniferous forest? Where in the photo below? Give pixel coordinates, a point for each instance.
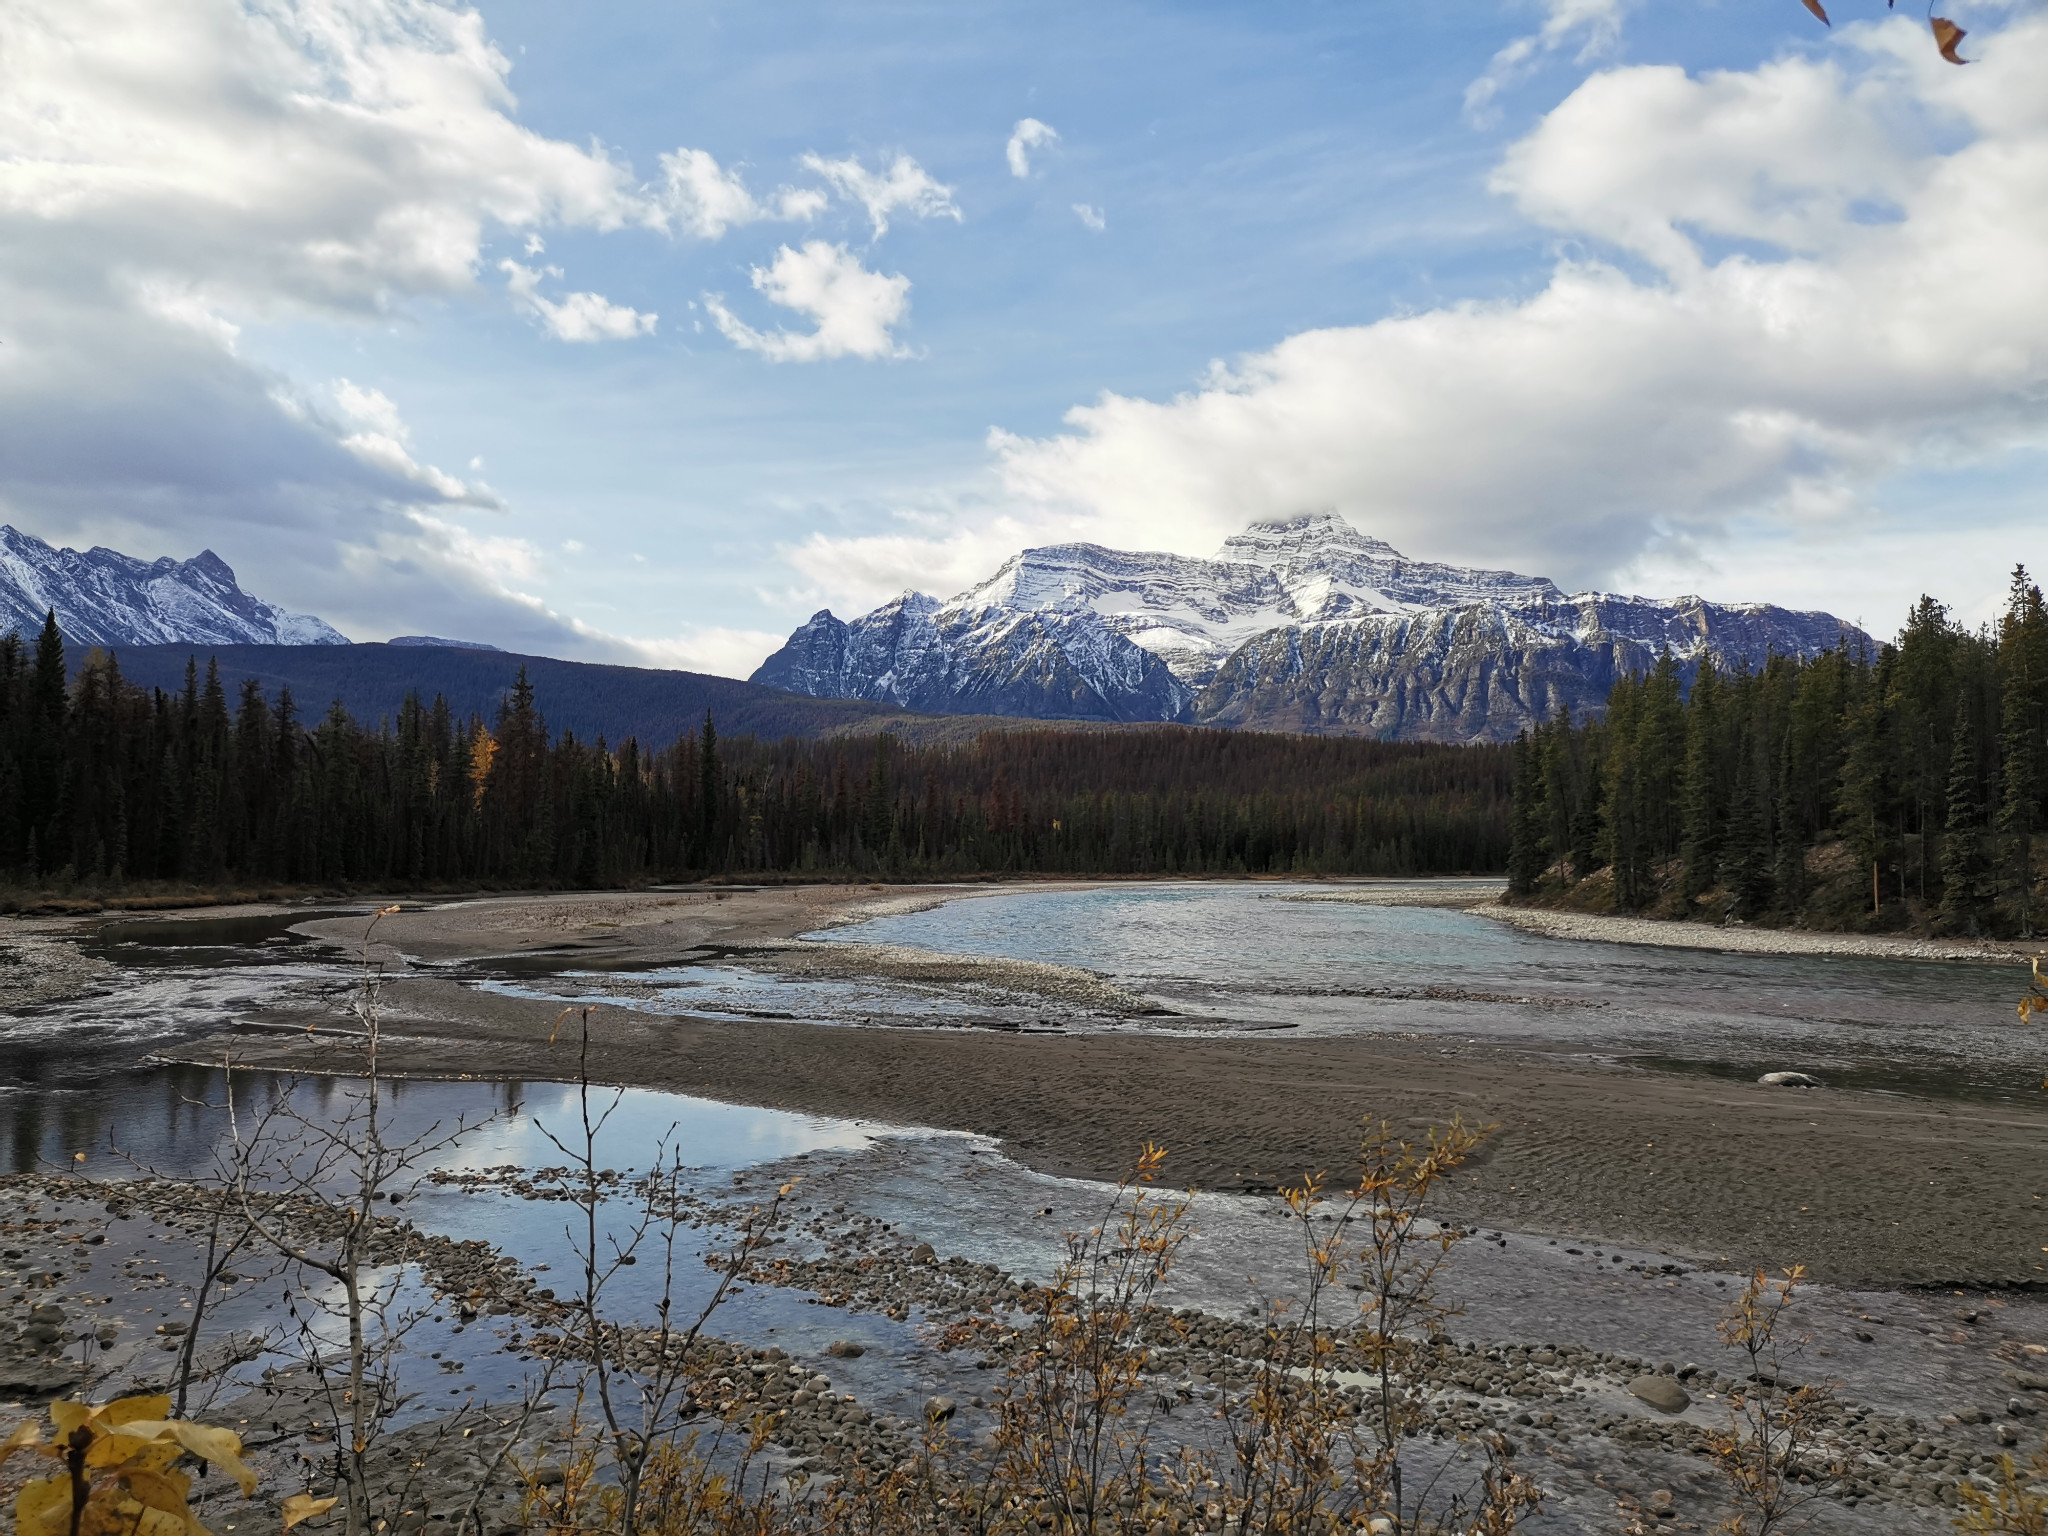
(104, 786)
(1905, 788)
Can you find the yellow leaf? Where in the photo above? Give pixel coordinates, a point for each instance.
(43, 1507)
(222, 1447)
(160, 1490)
(160, 1522)
(27, 1434)
(303, 1506)
(126, 1410)
(1946, 35)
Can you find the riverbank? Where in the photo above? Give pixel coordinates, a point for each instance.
(1727, 1170)
(1730, 1173)
(1605, 929)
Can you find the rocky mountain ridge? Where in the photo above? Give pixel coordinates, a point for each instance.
(1301, 624)
(103, 597)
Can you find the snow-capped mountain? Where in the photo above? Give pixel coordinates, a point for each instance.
(1302, 623)
(103, 597)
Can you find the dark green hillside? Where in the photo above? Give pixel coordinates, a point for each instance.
(592, 700)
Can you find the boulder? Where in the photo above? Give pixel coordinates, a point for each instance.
(1661, 1393)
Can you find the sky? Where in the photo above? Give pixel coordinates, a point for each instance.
(637, 332)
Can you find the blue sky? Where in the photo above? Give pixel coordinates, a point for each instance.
(1643, 297)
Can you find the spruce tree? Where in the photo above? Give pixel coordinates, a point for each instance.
(1525, 828)
(1702, 812)
(1788, 869)
(1963, 866)
(1746, 853)
(710, 790)
(2023, 704)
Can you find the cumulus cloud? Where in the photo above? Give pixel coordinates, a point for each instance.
(1028, 135)
(578, 316)
(175, 171)
(1594, 24)
(708, 200)
(380, 437)
(903, 186)
(1779, 287)
(854, 309)
(1091, 216)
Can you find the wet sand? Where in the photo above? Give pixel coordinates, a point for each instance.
(1864, 1189)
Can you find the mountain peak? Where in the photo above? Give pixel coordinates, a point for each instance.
(1300, 623)
(103, 597)
(1273, 540)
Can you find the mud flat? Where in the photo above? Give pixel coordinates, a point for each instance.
(1604, 929)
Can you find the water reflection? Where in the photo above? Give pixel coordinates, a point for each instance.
(173, 1119)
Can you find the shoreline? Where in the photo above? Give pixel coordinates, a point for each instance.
(1607, 928)
(1739, 1171)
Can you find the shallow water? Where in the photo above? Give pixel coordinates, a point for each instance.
(1224, 955)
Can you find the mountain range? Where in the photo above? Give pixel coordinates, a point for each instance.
(1297, 624)
(103, 597)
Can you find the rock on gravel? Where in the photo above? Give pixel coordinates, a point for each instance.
(1661, 1393)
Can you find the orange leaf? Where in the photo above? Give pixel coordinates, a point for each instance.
(1946, 35)
(1814, 6)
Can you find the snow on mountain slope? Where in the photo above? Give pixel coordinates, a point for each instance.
(103, 597)
(1301, 623)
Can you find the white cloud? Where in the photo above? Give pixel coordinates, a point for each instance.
(1595, 24)
(579, 316)
(854, 309)
(1028, 135)
(1828, 272)
(1093, 217)
(710, 648)
(904, 185)
(174, 171)
(852, 575)
(381, 438)
(709, 201)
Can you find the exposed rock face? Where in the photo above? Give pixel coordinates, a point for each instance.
(103, 597)
(1483, 672)
(982, 660)
(1300, 624)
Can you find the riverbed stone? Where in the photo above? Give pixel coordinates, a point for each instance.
(1661, 1393)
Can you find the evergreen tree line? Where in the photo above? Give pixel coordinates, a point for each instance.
(1926, 763)
(101, 781)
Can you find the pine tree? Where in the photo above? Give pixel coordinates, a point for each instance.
(1703, 808)
(1746, 852)
(1788, 869)
(2023, 710)
(44, 751)
(1963, 866)
(1526, 859)
(710, 790)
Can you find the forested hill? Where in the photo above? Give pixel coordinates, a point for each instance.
(592, 700)
(105, 783)
(1902, 787)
